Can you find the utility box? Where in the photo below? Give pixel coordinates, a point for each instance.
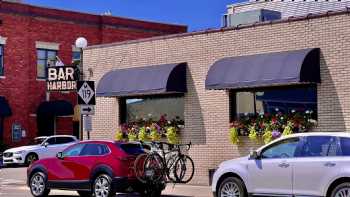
(249, 17)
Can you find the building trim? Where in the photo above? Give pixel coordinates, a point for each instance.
(88, 19)
(3, 40)
(47, 45)
(236, 28)
(75, 49)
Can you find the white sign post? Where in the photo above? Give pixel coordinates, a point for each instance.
(87, 125)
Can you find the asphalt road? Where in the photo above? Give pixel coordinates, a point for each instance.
(13, 184)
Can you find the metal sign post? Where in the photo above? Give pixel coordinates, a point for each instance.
(87, 101)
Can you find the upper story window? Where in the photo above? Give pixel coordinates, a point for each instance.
(44, 56)
(1, 60)
(152, 109)
(76, 56)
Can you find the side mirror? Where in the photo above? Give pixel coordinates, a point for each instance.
(254, 155)
(60, 155)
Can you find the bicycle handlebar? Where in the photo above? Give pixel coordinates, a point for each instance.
(160, 145)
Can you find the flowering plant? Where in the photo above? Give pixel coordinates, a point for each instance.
(271, 126)
(148, 129)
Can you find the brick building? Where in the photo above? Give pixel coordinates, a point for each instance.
(217, 93)
(29, 37)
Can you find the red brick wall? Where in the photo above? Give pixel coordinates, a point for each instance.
(23, 25)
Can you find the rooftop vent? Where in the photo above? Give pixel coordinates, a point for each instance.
(249, 17)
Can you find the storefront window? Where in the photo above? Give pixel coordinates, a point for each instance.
(152, 109)
(274, 100)
(44, 56)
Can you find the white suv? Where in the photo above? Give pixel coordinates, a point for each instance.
(43, 147)
(308, 164)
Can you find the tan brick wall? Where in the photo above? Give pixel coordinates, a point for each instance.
(207, 111)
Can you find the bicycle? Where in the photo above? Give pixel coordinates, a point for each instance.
(170, 166)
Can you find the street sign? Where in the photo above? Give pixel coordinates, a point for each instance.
(61, 78)
(86, 92)
(87, 109)
(87, 123)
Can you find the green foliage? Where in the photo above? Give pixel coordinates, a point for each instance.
(234, 135)
(132, 137)
(142, 136)
(252, 134)
(172, 135)
(154, 135)
(118, 136)
(288, 129)
(267, 136)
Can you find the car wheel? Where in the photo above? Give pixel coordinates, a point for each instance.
(31, 158)
(342, 190)
(102, 186)
(84, 193)
(231, 187)
(38, 186)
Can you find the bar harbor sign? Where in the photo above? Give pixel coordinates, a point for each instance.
(61, 78)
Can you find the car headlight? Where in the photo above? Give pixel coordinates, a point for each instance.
(19, 152)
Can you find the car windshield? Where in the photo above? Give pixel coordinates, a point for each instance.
(38, 141)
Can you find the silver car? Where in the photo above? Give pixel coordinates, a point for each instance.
(307, 164)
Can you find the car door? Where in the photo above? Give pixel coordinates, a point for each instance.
(82, 165)
(48, 148)
(272, 172)
(316, 165)
(60, 167)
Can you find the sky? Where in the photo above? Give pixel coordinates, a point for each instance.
(196, 14)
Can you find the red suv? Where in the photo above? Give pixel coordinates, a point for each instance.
(92, 168)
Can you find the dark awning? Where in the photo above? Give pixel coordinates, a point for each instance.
(159, 79)
(5, 109)
(55, 108)
(269, 69)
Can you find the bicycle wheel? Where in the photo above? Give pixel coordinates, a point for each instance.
(139, 165)
(171, 168)
(184, 169)
(154, 167)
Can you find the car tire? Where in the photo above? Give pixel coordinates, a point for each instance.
(343, 188)
(84, 193)
(38, 186)
(102, 186)
(232, 186)
(30, 158)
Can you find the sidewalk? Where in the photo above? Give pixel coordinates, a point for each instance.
(188, 190)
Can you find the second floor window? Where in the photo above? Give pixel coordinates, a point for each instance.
(76, 56)
(44, 56)
(1, 60)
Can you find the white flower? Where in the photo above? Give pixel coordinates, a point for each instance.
(312, 121)
(282, 118)
(261, 113)
(276, 109)
(311, 111)
(149, 115)
(169, 122)
(307, 111)
(293, 110)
